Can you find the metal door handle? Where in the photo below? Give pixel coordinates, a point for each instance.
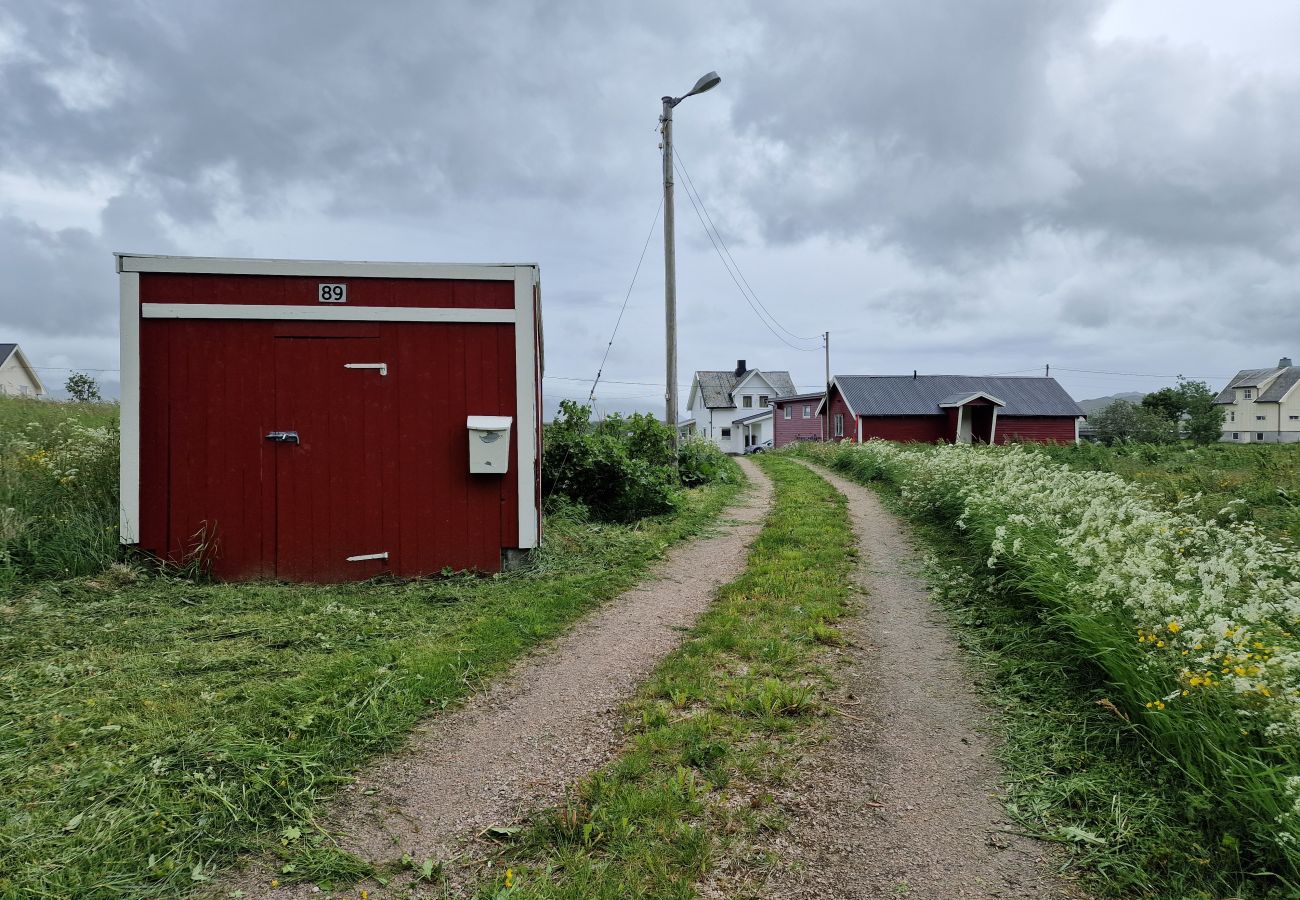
(284, 437)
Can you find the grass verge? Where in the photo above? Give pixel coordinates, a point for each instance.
(1080, 772)
(710, 734)
(151, 728)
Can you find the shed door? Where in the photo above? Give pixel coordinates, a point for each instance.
(334, 395)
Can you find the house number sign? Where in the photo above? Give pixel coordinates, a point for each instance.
(332, 293)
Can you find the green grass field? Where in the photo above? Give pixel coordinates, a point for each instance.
(1259, 482)
(153, 727)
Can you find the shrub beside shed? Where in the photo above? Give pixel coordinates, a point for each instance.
(330, 421)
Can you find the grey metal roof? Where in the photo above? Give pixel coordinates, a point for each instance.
(1244, 378)
(6, 351)
(1284, 382)
(716, 386)
(903, 395)
(815, 395)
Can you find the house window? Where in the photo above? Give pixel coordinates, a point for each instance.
(1236, 435)
(1259, 418)
(762, 400)
(807, 411)
(839, 425)
(1259, 435)
(1247, 393)
(787, 412)
(1294, 418)
(1232, 417)
(747, 401)
(726, 432)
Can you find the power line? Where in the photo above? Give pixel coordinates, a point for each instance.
(717, 250)
(1139, 374)
(626, 297)
(691, 184)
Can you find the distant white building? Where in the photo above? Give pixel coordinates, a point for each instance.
(17, 377)
(1262, 406)
(720, 399)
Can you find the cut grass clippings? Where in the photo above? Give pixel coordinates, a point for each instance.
(711, 732)
(153, 728)
(1079, 773)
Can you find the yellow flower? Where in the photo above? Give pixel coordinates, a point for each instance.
(510, 877)
(1174, 627)
(275, 882)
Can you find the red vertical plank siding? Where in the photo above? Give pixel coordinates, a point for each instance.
(209, 391)
(919, 429)
(1041, 429)
(839, 407)
(198, 422)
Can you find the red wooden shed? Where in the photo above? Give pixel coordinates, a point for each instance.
(330, 421)
(962, 409)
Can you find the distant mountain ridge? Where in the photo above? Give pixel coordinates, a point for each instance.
(1099, 403)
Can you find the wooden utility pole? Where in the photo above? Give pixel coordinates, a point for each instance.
(826, 401)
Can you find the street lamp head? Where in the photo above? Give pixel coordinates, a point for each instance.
(707, 82)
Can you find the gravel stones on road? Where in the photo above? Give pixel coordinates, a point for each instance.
(552, 720)
(901, 800)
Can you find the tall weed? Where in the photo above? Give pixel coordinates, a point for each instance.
(58, 489)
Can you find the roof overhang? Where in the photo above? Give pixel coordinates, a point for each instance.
(835, 383)
(962, 399)
(756, 417)
(205, 265)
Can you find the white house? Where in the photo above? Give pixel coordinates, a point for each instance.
(719, 400)
(17, 377)
(1262, 406)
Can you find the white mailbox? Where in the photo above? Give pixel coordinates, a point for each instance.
(489, 444)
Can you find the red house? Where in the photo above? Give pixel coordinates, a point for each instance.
(329, 421)
(797, 418)
(961, 409)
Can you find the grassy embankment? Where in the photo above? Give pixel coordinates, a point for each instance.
(151, 727)
(1094, 615)
(712, 732)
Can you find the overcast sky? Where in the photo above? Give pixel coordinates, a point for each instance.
(965, 187)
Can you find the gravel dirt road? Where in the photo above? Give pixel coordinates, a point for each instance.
(902, 800)
(551, 721)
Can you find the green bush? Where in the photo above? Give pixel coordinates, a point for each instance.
(622, 468)
(701, 462)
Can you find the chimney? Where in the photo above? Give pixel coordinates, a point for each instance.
(740, 368)
(1284, 362)
(914, 374)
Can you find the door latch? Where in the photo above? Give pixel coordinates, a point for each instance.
(284, 437)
